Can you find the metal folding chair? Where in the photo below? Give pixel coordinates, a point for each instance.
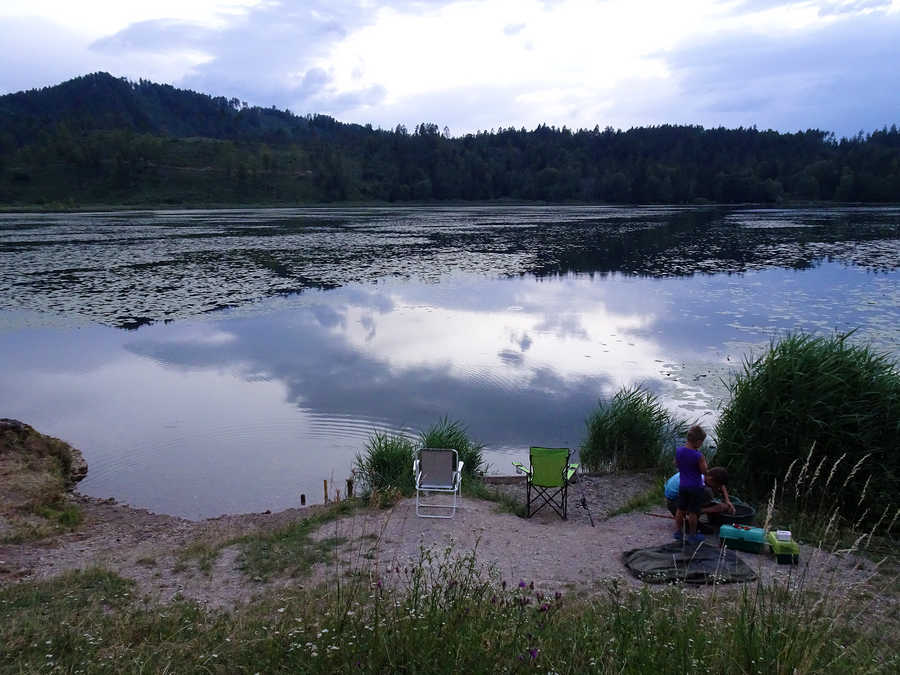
(437, 470)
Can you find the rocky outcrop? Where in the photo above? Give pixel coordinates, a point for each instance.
(16, 436)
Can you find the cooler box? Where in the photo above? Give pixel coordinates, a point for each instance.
(785, 552)
(743, 538)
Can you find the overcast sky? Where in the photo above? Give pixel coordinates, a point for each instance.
(482, 64)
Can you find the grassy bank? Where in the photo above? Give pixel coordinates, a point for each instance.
(443, 614)
(36, 472)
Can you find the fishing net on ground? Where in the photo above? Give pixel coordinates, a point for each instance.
(687, 563)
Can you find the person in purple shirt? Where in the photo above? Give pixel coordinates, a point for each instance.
(691, 493)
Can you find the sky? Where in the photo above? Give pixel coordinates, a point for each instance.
(484, 64)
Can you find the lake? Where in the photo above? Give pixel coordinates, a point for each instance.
(224, 361)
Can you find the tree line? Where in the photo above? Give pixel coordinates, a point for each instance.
(99, 139)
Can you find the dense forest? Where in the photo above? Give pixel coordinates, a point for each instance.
(98, 139)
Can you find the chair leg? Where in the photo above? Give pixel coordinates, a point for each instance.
(448, 509)
(551, 499)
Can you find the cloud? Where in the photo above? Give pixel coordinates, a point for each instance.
(62, 54)
(852, 6)
(841, 77)
(784, 65)
(272, 54)
(156, 35)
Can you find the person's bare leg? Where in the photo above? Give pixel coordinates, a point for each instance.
(679, 520)
(691, 524)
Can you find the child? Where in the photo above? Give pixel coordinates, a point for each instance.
(691, 491)
(716, 480)
(717, 483)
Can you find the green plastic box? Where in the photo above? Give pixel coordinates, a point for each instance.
(743, 538)
(785, 552)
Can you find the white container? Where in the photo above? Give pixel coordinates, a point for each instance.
(783, 535)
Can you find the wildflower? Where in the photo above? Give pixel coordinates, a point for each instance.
(533, 652)
(522, 584)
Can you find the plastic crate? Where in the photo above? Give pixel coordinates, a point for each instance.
(743, 538)
(785, 552)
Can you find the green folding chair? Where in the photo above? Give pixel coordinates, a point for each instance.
(547, 479)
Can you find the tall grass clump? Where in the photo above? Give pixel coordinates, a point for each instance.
(386, 463)
(813, 402)
(632, 430)
(452, 434)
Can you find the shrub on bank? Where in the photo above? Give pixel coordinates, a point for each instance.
(454, 435)
(386, 463)
(632, 430)
(813, 403)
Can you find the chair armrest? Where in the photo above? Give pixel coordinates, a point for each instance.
(521, 467)
(570, 471)
(459, 468)
(415, 467)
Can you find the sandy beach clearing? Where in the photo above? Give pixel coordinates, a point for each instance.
(569, 556)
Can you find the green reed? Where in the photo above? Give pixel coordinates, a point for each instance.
(386, 463)
(632, 430)
(830, 409)
(447, 433)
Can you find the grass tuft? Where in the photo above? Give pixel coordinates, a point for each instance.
(632, 430)
(386, 463)
(291, 549)
(452, 434)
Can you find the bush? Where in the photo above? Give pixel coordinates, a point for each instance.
(386, 463)
(810, 402)
(632, 430)
(452, 434)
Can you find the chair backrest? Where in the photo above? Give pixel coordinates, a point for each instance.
(437, 466)
(548, 466)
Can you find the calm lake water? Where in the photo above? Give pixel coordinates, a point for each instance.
(227, 361)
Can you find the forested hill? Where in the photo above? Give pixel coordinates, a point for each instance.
(98, 139)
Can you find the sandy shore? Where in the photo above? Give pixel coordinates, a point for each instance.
(570, 555)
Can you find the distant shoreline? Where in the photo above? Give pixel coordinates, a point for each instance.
(116, 208)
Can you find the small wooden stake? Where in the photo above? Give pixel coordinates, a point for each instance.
(349, 488)
(302, 499)
(325, 484)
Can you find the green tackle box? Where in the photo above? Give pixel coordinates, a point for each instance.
(743, 538)
(785, 552)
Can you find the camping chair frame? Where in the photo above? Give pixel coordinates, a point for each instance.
(437, 470)
(548, 487)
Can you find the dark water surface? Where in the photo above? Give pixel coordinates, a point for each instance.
(227, 361)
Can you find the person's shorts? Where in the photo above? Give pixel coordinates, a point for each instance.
(691, 499)
(672, 505)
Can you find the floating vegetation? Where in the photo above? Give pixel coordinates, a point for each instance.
(128, 268)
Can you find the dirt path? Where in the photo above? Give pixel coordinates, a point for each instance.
(566, 555)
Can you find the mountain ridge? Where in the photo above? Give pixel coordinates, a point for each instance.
(99, 139)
